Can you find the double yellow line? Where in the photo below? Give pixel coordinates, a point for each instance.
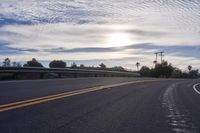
(20, 104)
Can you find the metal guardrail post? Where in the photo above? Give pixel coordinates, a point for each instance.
(59, 75)
(41, 75)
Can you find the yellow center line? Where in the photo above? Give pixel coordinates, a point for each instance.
(41, 98)
(33, 101)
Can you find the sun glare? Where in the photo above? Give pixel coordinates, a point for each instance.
(118, 39)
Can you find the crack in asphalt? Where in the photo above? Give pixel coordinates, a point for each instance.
(176, 117)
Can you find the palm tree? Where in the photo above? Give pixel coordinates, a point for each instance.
(189, 68)
(137, 65)
(155, 62)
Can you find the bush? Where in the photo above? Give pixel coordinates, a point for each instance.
(193, 74)
(57, 64)
(102, 66)
(33, 63)
(73, 65)
(145, 71)
(177, 73)
(163, 70)
(117, 68)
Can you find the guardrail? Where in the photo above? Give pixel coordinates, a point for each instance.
(15, 72)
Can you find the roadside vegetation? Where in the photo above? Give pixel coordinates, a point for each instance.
(61, 64)
(160, 70)
(166, 70)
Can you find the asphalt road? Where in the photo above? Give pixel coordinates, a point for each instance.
(147, 106)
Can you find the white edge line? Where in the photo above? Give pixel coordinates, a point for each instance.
(195, 89)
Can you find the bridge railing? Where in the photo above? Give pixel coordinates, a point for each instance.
(16, 72)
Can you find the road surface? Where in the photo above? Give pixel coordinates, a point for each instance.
(100, 105)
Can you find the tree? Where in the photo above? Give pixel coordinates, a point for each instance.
(14, 64)
(177, 73)
(189, 68)
(6, 62)
(145, 71)
(137, 65)
(155, 62)
(117, 68)
(33, 63)
(193, 74)
(163, 70)
(18, 64)
(82, 66)
(102, 66)
(73, 65)
(57, 64)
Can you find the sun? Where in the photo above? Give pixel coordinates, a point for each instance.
(118, 39)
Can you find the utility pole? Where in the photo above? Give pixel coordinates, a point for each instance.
(156, 57)
(161, 56)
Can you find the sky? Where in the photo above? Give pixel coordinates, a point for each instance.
(116, 32)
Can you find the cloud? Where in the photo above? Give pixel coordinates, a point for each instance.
(177, 14)
(179, 50)
(81, 30)
(63, 35)
(6, 50)
(85, 50)
(11, 21)
(46, 11)
(146, 33)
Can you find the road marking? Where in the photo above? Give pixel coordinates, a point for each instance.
(195, 88)
(40, 98)
(20, 104)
